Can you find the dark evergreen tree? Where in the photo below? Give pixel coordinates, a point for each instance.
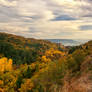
(19, 82)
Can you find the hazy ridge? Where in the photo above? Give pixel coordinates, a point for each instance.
(69, 42)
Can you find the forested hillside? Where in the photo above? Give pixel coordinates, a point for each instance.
(30, 65)
(23, 50)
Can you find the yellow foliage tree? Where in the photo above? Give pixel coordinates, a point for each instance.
(44, 59)
(5, 64)
(27, 86)
(2, 90)
(52, 54)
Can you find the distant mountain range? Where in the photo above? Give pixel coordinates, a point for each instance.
(68, 42)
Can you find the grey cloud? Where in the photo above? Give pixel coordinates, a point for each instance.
(64, 18)
(87, 15)
(86, 27)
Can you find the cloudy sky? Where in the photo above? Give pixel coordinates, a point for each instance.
(66, 19)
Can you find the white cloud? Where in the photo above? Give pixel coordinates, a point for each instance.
(33, 18)
(8, 3)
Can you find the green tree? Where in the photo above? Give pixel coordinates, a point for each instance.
(19, 82)
(28, 73)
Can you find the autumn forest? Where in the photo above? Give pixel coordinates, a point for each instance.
(31, 65)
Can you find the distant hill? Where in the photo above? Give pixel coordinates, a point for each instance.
(68, 42)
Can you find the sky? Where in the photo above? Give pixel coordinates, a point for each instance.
(47, 19)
